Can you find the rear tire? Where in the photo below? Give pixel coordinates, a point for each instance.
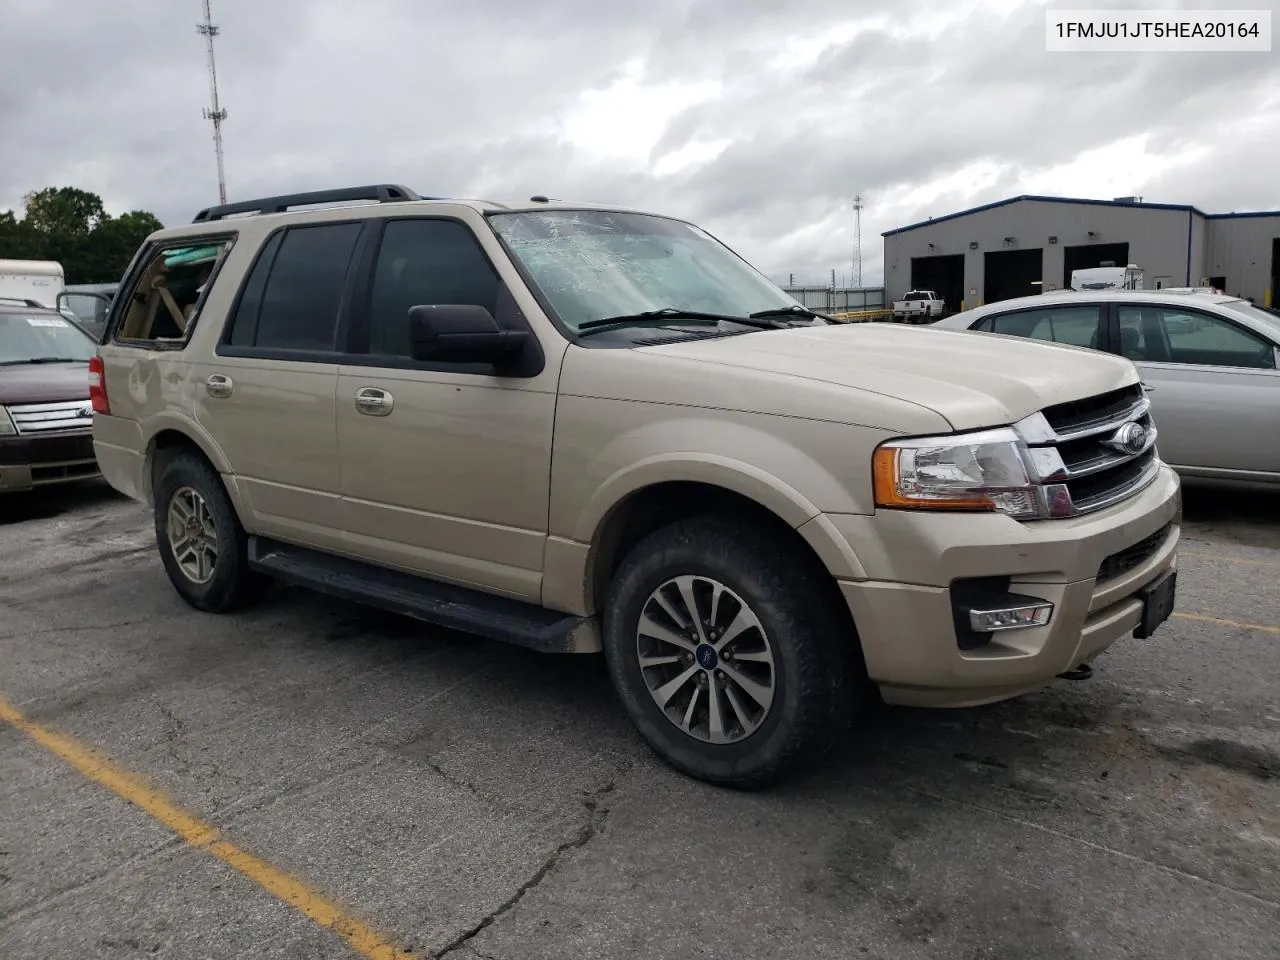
(202, 545)
(785, 687)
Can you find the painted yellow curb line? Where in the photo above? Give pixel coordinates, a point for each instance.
(204, 836)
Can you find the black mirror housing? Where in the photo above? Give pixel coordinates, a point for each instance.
(462, 333)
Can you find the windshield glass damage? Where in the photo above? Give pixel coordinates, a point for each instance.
(595, 265)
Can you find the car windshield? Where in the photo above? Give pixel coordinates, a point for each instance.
(42, 338)
(592, 265)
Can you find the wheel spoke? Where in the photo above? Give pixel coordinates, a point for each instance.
(743, 622)
(757, 656)
(756, 691)
(181, 508)
(679, 619)
(715, 713)
(647, 662)
(685, 585)
(743, 717)
(717, 592)
(668, 690)
(688, 712)
(651, 628)
(206, 521)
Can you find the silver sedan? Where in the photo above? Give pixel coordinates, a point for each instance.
(1211, 364)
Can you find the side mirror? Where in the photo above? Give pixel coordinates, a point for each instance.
(88, 310)
(462, 333)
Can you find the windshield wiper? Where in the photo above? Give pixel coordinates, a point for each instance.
(794, 311)
(17, 363)
(666, 315)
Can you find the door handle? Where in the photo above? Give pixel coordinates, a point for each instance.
(218, 386)
(374, 402)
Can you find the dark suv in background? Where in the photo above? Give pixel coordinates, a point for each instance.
(46, 420)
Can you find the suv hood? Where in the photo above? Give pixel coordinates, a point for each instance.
(44, 382)
(973, 380)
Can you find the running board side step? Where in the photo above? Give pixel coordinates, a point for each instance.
(440, 604)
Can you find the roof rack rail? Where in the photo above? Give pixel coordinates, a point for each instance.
(23, 302)
(382, 192)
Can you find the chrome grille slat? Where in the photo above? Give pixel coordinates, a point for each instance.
(1093, 428)
(62, 417)
(1076, 455)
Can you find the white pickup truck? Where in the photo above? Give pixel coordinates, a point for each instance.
(918, 306)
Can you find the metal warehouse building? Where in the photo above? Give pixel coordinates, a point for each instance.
(1027, 244)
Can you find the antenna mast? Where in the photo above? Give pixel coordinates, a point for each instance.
(857, 241)
(216, 113)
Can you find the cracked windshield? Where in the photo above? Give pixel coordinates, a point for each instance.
(592, 266)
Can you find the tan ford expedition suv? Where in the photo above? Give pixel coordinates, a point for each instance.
(580, 428)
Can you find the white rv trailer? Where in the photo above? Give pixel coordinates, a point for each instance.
(39, 281)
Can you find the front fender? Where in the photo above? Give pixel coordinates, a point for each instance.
(799, 470)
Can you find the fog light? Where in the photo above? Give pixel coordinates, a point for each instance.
(1034, 613)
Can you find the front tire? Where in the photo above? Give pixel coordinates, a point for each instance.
(202, 545)
(760, 683)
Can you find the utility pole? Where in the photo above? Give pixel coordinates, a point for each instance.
(215, 113)
(858, 241)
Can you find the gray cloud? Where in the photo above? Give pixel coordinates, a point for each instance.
(818, 100)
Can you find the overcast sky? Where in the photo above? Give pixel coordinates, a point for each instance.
(759, 119)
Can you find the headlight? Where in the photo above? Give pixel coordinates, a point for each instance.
(976, 471)
(7, 429)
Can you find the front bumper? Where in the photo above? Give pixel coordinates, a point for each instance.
(905, 615)
(27, 462)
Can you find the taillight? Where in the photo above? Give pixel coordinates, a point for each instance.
(98, 386)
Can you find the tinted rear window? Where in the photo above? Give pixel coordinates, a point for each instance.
(297, 308)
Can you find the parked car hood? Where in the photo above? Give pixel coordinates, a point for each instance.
(971, 381)
(43, 382)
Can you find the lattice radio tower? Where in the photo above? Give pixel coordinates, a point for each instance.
(215, 113)
(857, 241)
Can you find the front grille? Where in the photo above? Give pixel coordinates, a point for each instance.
(1089, 454)
(45, 418)
(1121, 562)
(1067, 418)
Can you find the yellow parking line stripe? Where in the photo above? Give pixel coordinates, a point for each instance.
(1217, 556)
(1202, 618)
(204, 836)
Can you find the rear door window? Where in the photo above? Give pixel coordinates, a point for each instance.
(297, 306)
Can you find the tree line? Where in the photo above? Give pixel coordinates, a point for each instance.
(72, 227)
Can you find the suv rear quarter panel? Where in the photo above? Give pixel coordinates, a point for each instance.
(154, 390)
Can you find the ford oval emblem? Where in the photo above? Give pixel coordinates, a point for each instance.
(85, 412)
(1130, 439)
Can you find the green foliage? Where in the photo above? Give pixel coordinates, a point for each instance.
(70, 226)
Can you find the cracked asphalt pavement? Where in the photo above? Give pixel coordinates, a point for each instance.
(479, 801)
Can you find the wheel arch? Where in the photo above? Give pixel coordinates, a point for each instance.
(177, 434)
(655, 505)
